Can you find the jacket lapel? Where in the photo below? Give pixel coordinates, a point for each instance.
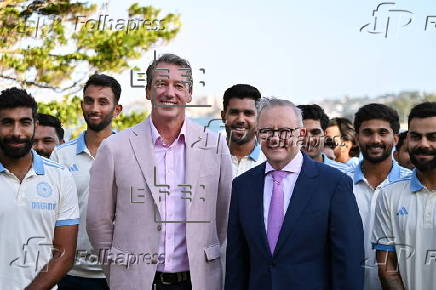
(142, 146)
(193, 159)
(304, 189)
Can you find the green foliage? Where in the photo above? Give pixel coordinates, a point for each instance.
(124, 121)
(44, 42)
(67, 110)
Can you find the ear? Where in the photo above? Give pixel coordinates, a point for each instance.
(396, 138)
(396, 155)
(189, 96)
(356, 137)
(223, 116)
(117, 110)
(303, 132)
(148, 93)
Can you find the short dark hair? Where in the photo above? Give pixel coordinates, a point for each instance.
(315, 112)
(401, 140)
(14, 97)
(377, 111)
(423, 110)
(170, 59)
(102, 80)
(51, 121)
(241, 91)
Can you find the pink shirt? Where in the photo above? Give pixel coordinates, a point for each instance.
(170, 170)
(294, 166)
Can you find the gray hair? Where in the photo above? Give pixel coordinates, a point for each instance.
(170, 59)
(267, 103)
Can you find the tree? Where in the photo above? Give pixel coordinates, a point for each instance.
(44, 43)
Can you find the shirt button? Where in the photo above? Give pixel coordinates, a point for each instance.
(159, 227)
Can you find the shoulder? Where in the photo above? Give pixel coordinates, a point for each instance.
(326, 171)
(248, 176)
(124, 135)
(395, 191)
(47, 163)
(68, 146)
(399, 186)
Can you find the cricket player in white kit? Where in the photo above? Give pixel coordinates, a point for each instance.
(39, 213)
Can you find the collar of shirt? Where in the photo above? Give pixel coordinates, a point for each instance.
(415, 184)
(155, 136)
(394, 174)
(37, 164)
(294, 166)
(255, 153)
(81, 143)
(353, 162)
(339, 165)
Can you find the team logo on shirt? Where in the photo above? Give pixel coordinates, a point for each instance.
(43, 189)
(402, 211)
(73, 167)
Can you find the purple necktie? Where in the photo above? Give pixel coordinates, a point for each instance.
(276, 209)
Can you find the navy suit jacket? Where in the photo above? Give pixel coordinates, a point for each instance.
(320, 245)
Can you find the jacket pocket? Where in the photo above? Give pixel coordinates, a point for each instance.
(212, 252)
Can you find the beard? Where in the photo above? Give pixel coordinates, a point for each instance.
(14, 152)
(97, 127)
(240, 140)
(387, 151)
(423, 166)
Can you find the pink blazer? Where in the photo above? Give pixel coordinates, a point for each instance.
(123, 218)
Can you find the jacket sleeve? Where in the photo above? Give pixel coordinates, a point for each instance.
(237, 259)
(224, 191)
(102, 201)
(346, 238)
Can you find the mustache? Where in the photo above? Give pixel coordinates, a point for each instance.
(370, 146)
(423, 151)
(15, 140)
(93, 115)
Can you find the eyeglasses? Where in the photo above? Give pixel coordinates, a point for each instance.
(283, 133)
(330, 142)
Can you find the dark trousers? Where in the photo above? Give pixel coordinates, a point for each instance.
(81, 283)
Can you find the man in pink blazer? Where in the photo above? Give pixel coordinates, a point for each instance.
(160, 193)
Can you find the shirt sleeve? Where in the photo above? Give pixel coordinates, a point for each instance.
(382, 235)
(68, 210)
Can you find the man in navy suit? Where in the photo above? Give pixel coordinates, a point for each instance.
(293, 223)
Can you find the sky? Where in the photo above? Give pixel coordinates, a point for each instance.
(299, 50)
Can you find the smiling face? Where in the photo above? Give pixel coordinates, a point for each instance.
(169, 93)
(45, 140)
(376, 140)
(99, 107)
(240, 120)
(17, 128)
(280, 151)
(421, 141)
(314, 140)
